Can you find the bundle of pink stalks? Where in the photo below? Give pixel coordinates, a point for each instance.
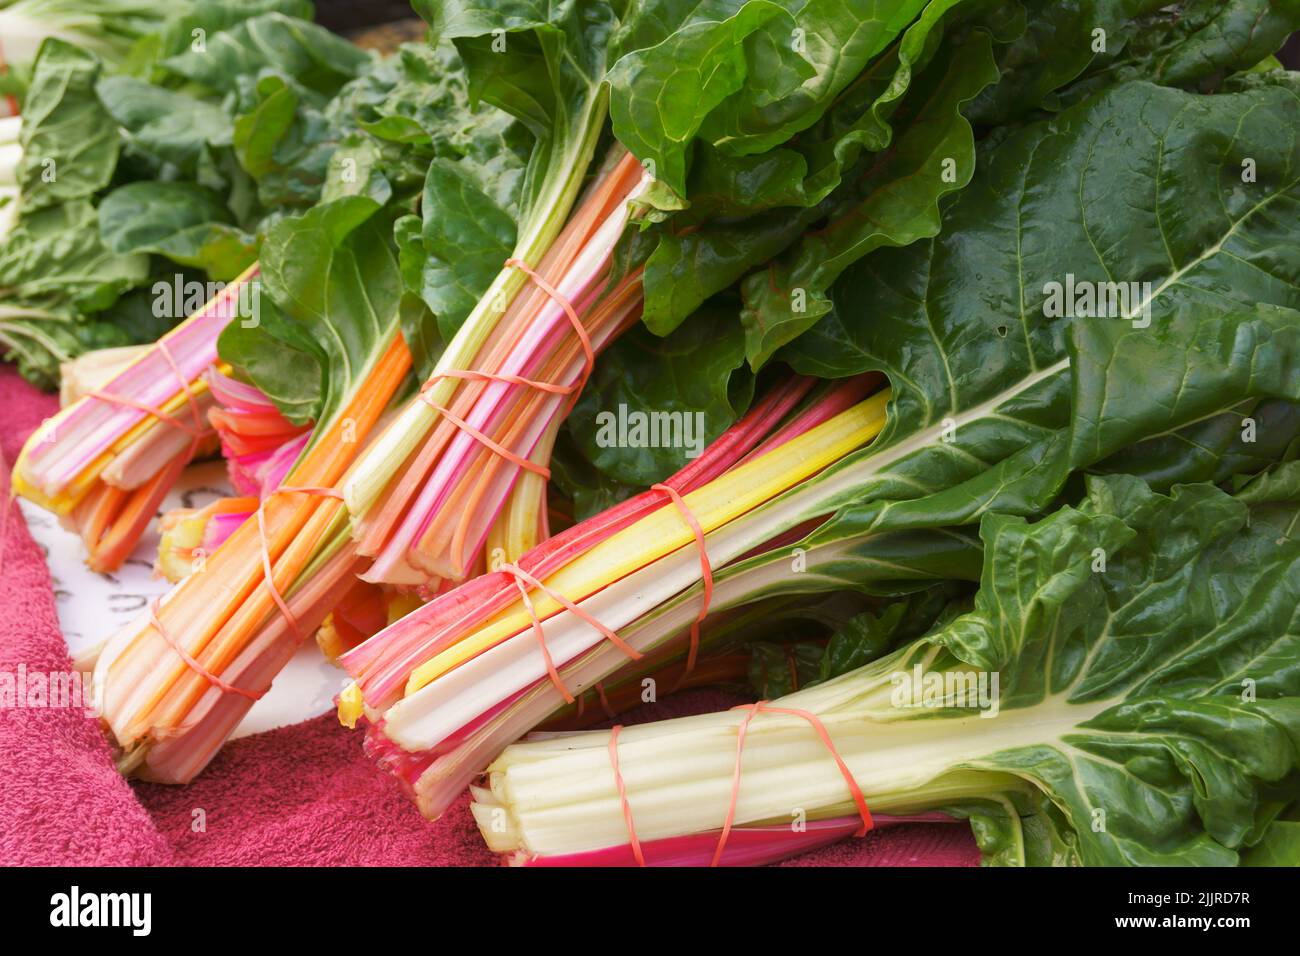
(105, 462)
(484, 460)
(259, 444)
(382, 665)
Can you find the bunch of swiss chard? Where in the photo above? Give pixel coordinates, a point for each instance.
(423, 499)
(846, 240)
(1002, 400)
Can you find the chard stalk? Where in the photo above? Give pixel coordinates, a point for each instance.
(547, 217)
(383, 664)
(559, 794)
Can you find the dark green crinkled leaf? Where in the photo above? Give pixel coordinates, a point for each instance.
(994, 403)
(1189, 43)
(1171, 671)
(895, 203)
(459, 248)
(692, 379)
(182, 221)
(744, 76)
(866, 636)
(847, 165)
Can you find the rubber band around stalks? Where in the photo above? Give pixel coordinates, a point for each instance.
(522, 578)
(292, 621)
(196, 431)
(759, 707)
(589, 361)
(622, 795)
(192, 663)
(605, 706)
(267, 571)
(706, 573)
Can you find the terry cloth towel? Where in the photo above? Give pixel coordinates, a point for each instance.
(300, 795)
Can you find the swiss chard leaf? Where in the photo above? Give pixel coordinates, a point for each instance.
(996, 401)
(172, 125)
(333, 272)
(742, 76)
(451, 257)
(1152, 641)
(653, 403)
(315, 57)
(70, 144)
(56, 254)
(283, 358)
(183, 221)
(895, 203)
(869, 169)
(551, 78)
(1186, 44)
(190, 27)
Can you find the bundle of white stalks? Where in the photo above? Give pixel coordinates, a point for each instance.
(556, 794)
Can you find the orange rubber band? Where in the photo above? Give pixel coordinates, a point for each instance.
(476, 376)
(579, 329)
(622, 795)
(185, 384)
(604, 701)
(522, 577)
(589, 362)
(706, 571)
(761, 707)
(267, 573)
(193, 664)
(197, 431)
(487, 442)
(143, 407)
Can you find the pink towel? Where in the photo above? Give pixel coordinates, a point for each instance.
(301, 795)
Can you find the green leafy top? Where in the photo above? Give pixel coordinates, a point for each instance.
(155, 159)
(54, 270)
(1152, 642)
(980, 363)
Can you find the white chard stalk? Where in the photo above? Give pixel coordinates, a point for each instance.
(559, 794)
